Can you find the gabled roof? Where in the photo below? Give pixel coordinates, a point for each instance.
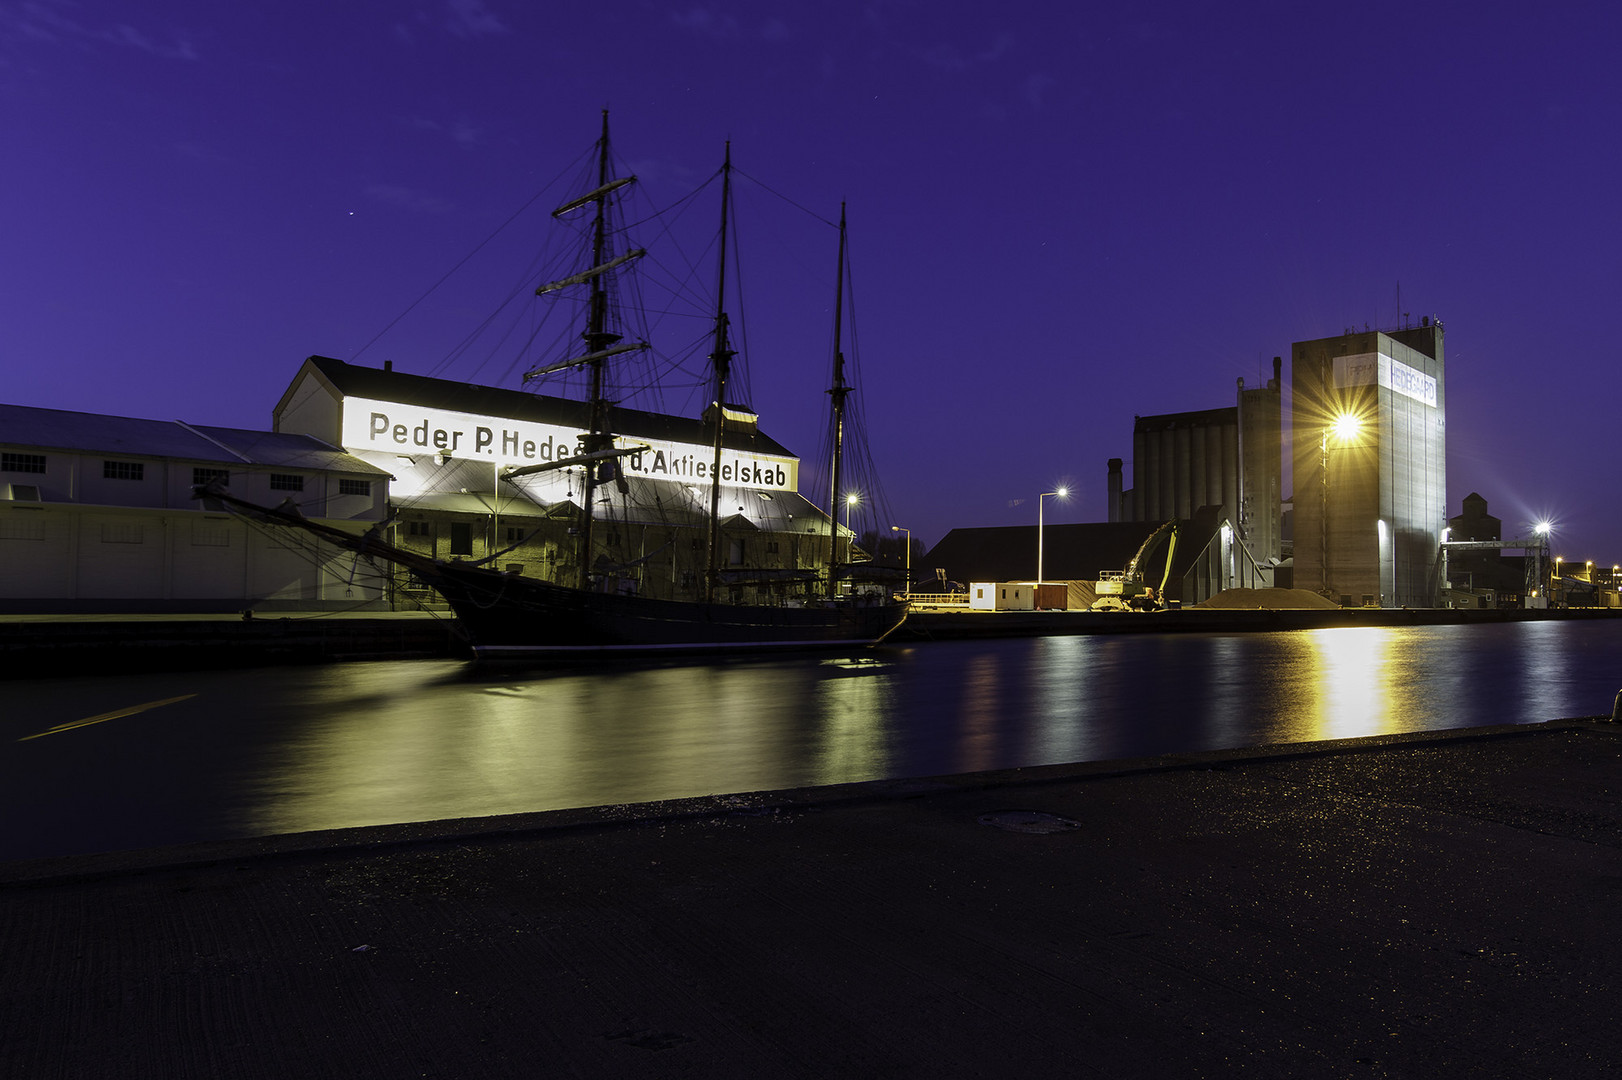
(124, 436)
(351, 380)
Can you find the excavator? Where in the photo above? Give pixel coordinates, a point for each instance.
(1125, 590)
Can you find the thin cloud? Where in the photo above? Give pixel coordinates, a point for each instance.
(124, 34)
(1037, 85)
(706, 21)
(44, 21)
(460, 132)
(406, 198)
(471, 19)
(950, 58)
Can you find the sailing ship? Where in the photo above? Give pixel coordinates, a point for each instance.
(510, 615)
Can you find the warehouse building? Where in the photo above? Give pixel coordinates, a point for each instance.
(97, 515)
(1369, 433)
(448, 445)
(1205, 559)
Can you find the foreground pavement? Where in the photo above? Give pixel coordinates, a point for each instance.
(1407, 906)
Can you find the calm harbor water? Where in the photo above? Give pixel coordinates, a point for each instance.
(286, 750)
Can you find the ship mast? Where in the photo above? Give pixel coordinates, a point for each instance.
(721, 360)
(597, 444)
(838, 393)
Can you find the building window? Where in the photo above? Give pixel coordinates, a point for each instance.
(123, 470)
(417, 528)
(354, 487)
(34, 463)
(514, 535)
(461, 538)
(286, 482)
(206, 476)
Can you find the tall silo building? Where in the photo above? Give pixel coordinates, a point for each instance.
(1228, 457)
(1369, 430)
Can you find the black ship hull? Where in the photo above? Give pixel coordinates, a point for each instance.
(511, 617)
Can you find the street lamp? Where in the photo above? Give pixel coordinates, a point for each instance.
(1343, 427)
(851, 500)
(1062, 493)
(908, 556)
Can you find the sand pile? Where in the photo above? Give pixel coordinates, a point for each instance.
(1267, 599)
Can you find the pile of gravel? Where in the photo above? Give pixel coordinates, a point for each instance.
(1267, 600)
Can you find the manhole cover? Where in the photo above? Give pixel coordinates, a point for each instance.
(1028, 821)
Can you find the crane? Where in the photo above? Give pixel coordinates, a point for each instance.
(1125, 590)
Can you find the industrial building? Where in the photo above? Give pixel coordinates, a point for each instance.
(97, 515)
(447, 443)
(1368, 429)
(97, 512)
(1206, 558)
(1227, 457)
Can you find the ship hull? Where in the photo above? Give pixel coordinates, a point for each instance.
(512, 617)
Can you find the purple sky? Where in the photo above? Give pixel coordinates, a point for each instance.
(1062, 214)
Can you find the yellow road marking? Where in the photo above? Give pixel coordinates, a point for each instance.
(87, 721)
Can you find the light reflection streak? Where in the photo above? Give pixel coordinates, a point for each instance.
(982, 710)
(855, 710)
(1063, 673)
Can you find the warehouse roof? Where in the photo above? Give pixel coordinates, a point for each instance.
(386, 384)
(78, 432)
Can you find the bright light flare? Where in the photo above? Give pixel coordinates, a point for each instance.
(1345, 427)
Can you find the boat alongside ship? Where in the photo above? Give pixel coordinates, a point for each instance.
(510, 615)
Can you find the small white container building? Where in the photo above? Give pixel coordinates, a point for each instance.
(1002, 596)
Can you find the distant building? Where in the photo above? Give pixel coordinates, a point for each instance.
(1228, 457)
(1484, 578)
(1206, 560)
(97, 515)
(1369, 435)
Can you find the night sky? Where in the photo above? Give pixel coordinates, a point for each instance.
(1062, 215)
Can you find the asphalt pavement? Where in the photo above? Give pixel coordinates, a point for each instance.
(1438, 904)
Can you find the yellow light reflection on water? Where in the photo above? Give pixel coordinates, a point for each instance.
(853, 702)
(1352, 681)
(419, 742)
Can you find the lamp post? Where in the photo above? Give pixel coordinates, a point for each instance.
(851, 499)
(1342, 428)
(1536, 585)
(1061, 493)
(908, 557)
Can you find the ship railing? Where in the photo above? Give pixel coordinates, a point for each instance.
(951, 599)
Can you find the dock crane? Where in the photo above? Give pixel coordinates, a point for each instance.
(1125, 590)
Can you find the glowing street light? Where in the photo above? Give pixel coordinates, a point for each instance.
(1346, 426)
(1342, 428)
(904, 529)
(1062, 493)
